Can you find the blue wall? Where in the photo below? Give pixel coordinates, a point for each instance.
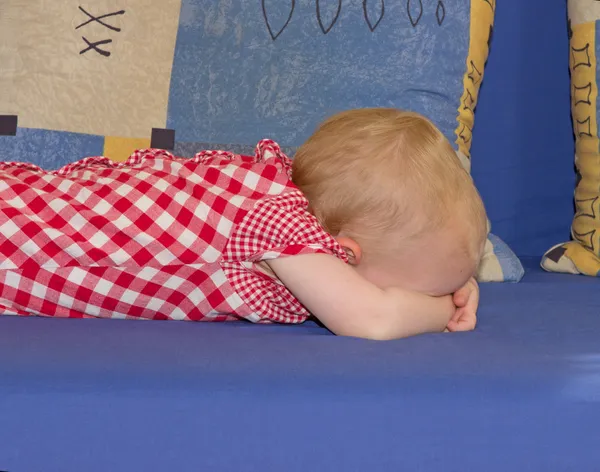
(523, 148)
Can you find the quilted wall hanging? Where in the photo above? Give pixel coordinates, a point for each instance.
(110, 76)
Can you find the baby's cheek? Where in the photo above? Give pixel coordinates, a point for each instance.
(379, 276)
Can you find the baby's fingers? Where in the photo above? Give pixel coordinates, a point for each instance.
(461, 297)
(466, 321)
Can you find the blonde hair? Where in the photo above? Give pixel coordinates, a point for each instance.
(369, 171)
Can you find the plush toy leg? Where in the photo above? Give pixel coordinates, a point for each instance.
(582, 255)
(499, 263)
(571, 258)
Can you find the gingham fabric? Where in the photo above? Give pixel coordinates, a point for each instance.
(156, 237)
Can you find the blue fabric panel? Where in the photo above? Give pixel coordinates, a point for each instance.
(49, 149)
(233, 83)
(519, 393)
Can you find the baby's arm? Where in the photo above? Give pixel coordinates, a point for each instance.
(349, 305)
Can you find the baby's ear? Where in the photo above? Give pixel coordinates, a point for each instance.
(352, 249)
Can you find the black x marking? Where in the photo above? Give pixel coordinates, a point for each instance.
(95, 47)
(98, 19)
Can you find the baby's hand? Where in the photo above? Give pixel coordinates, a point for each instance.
(466, 300)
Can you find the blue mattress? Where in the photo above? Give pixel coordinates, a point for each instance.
(520, 393)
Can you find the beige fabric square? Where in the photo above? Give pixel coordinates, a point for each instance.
(116, 83)
(9, 58)
(583, 11)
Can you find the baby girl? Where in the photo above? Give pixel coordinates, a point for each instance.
(374, 229)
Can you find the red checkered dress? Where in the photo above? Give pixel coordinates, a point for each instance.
(156, 237)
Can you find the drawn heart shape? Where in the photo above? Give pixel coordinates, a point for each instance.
(440, 13)
(373, 26)
(492, 4)
(411, 14)
(274, 36)
(333, 21)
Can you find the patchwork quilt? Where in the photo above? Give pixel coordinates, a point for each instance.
(111, 76)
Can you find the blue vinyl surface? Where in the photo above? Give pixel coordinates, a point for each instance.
(520, 393)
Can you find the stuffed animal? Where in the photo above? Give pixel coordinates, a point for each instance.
(582, 254)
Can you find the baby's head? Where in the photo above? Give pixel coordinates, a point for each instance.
(389, 186)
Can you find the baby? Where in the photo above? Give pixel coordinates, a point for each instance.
(375, 229)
